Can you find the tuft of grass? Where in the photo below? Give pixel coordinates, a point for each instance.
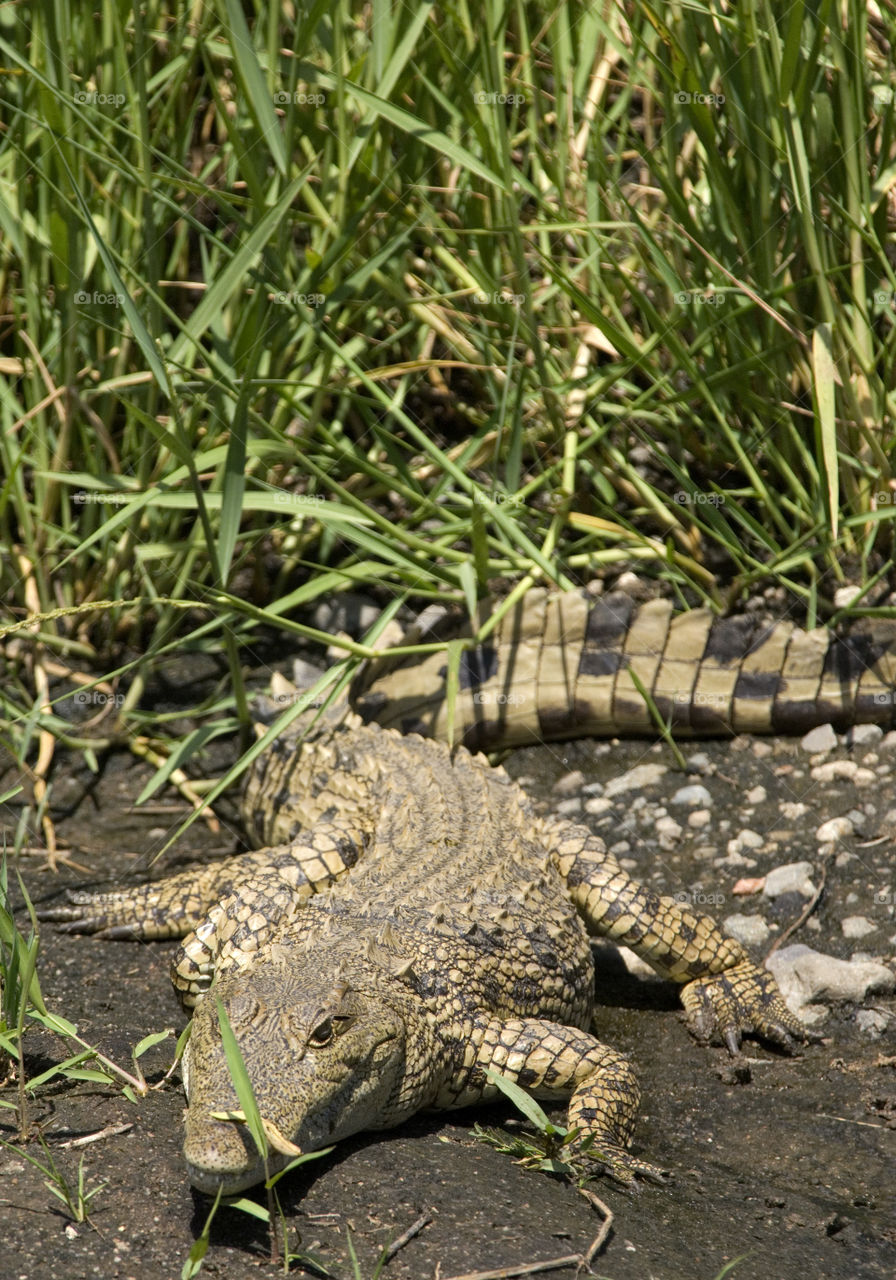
(23, 1006)
(77, 1196)
(302, 303)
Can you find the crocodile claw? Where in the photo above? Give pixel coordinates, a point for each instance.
(89, 913)
(622, 1167)
(743, 1000)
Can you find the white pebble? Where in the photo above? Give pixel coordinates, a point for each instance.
(821, 738)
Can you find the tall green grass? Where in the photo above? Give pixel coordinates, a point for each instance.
(296, 300)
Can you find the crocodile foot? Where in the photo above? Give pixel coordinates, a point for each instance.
(744, 1000)
(607, 1159)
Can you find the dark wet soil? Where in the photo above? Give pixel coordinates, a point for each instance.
(791, 1172)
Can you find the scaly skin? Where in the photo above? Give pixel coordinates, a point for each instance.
(558, 665)
(458, 942)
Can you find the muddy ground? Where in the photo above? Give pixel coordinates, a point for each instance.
(791, 1171)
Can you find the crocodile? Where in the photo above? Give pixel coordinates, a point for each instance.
(407, 925)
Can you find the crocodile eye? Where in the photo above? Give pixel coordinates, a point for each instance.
(322, 1034)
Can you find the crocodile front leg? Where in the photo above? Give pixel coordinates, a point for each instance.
(724, 993)
(553, 1061)
(175, 906)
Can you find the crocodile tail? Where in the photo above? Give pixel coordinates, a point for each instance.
(567, 665)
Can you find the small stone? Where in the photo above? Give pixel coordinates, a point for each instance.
(693, 795)
(864, 735)
(567, 808)
(593, 789)
(304, 673)
(698, 762)
(756, 795)
(569, 783)
(793, 877)
(598, 805)
(630, 583)
(699, 818)
(793, 809)
(835, 829)
(351, 612)
(888, 741)
(847, 770)
(805, 975)
(642, 775)
(752, 884)
(857, 926)
(669, 832)
(821, 738)
(762, 749)
(844, 596)
(872, 1023)
(745, 839)
(751, 931)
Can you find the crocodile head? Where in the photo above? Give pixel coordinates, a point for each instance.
(324, 1060)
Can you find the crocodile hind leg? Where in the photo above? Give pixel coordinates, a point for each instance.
(724, 993)
(175, 906)
(553, 1061)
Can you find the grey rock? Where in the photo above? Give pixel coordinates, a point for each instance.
(864, 735)
(752, 931)
(642, 775)
(598, 805)
(821, 738)
(857, 926)
(694, 795)
(806, 976)
(846, 770)
(698, 762)
(569, 808)
(792, 877)
(569, 784)
(350, 612)
(835, 829)
(872, 1022)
